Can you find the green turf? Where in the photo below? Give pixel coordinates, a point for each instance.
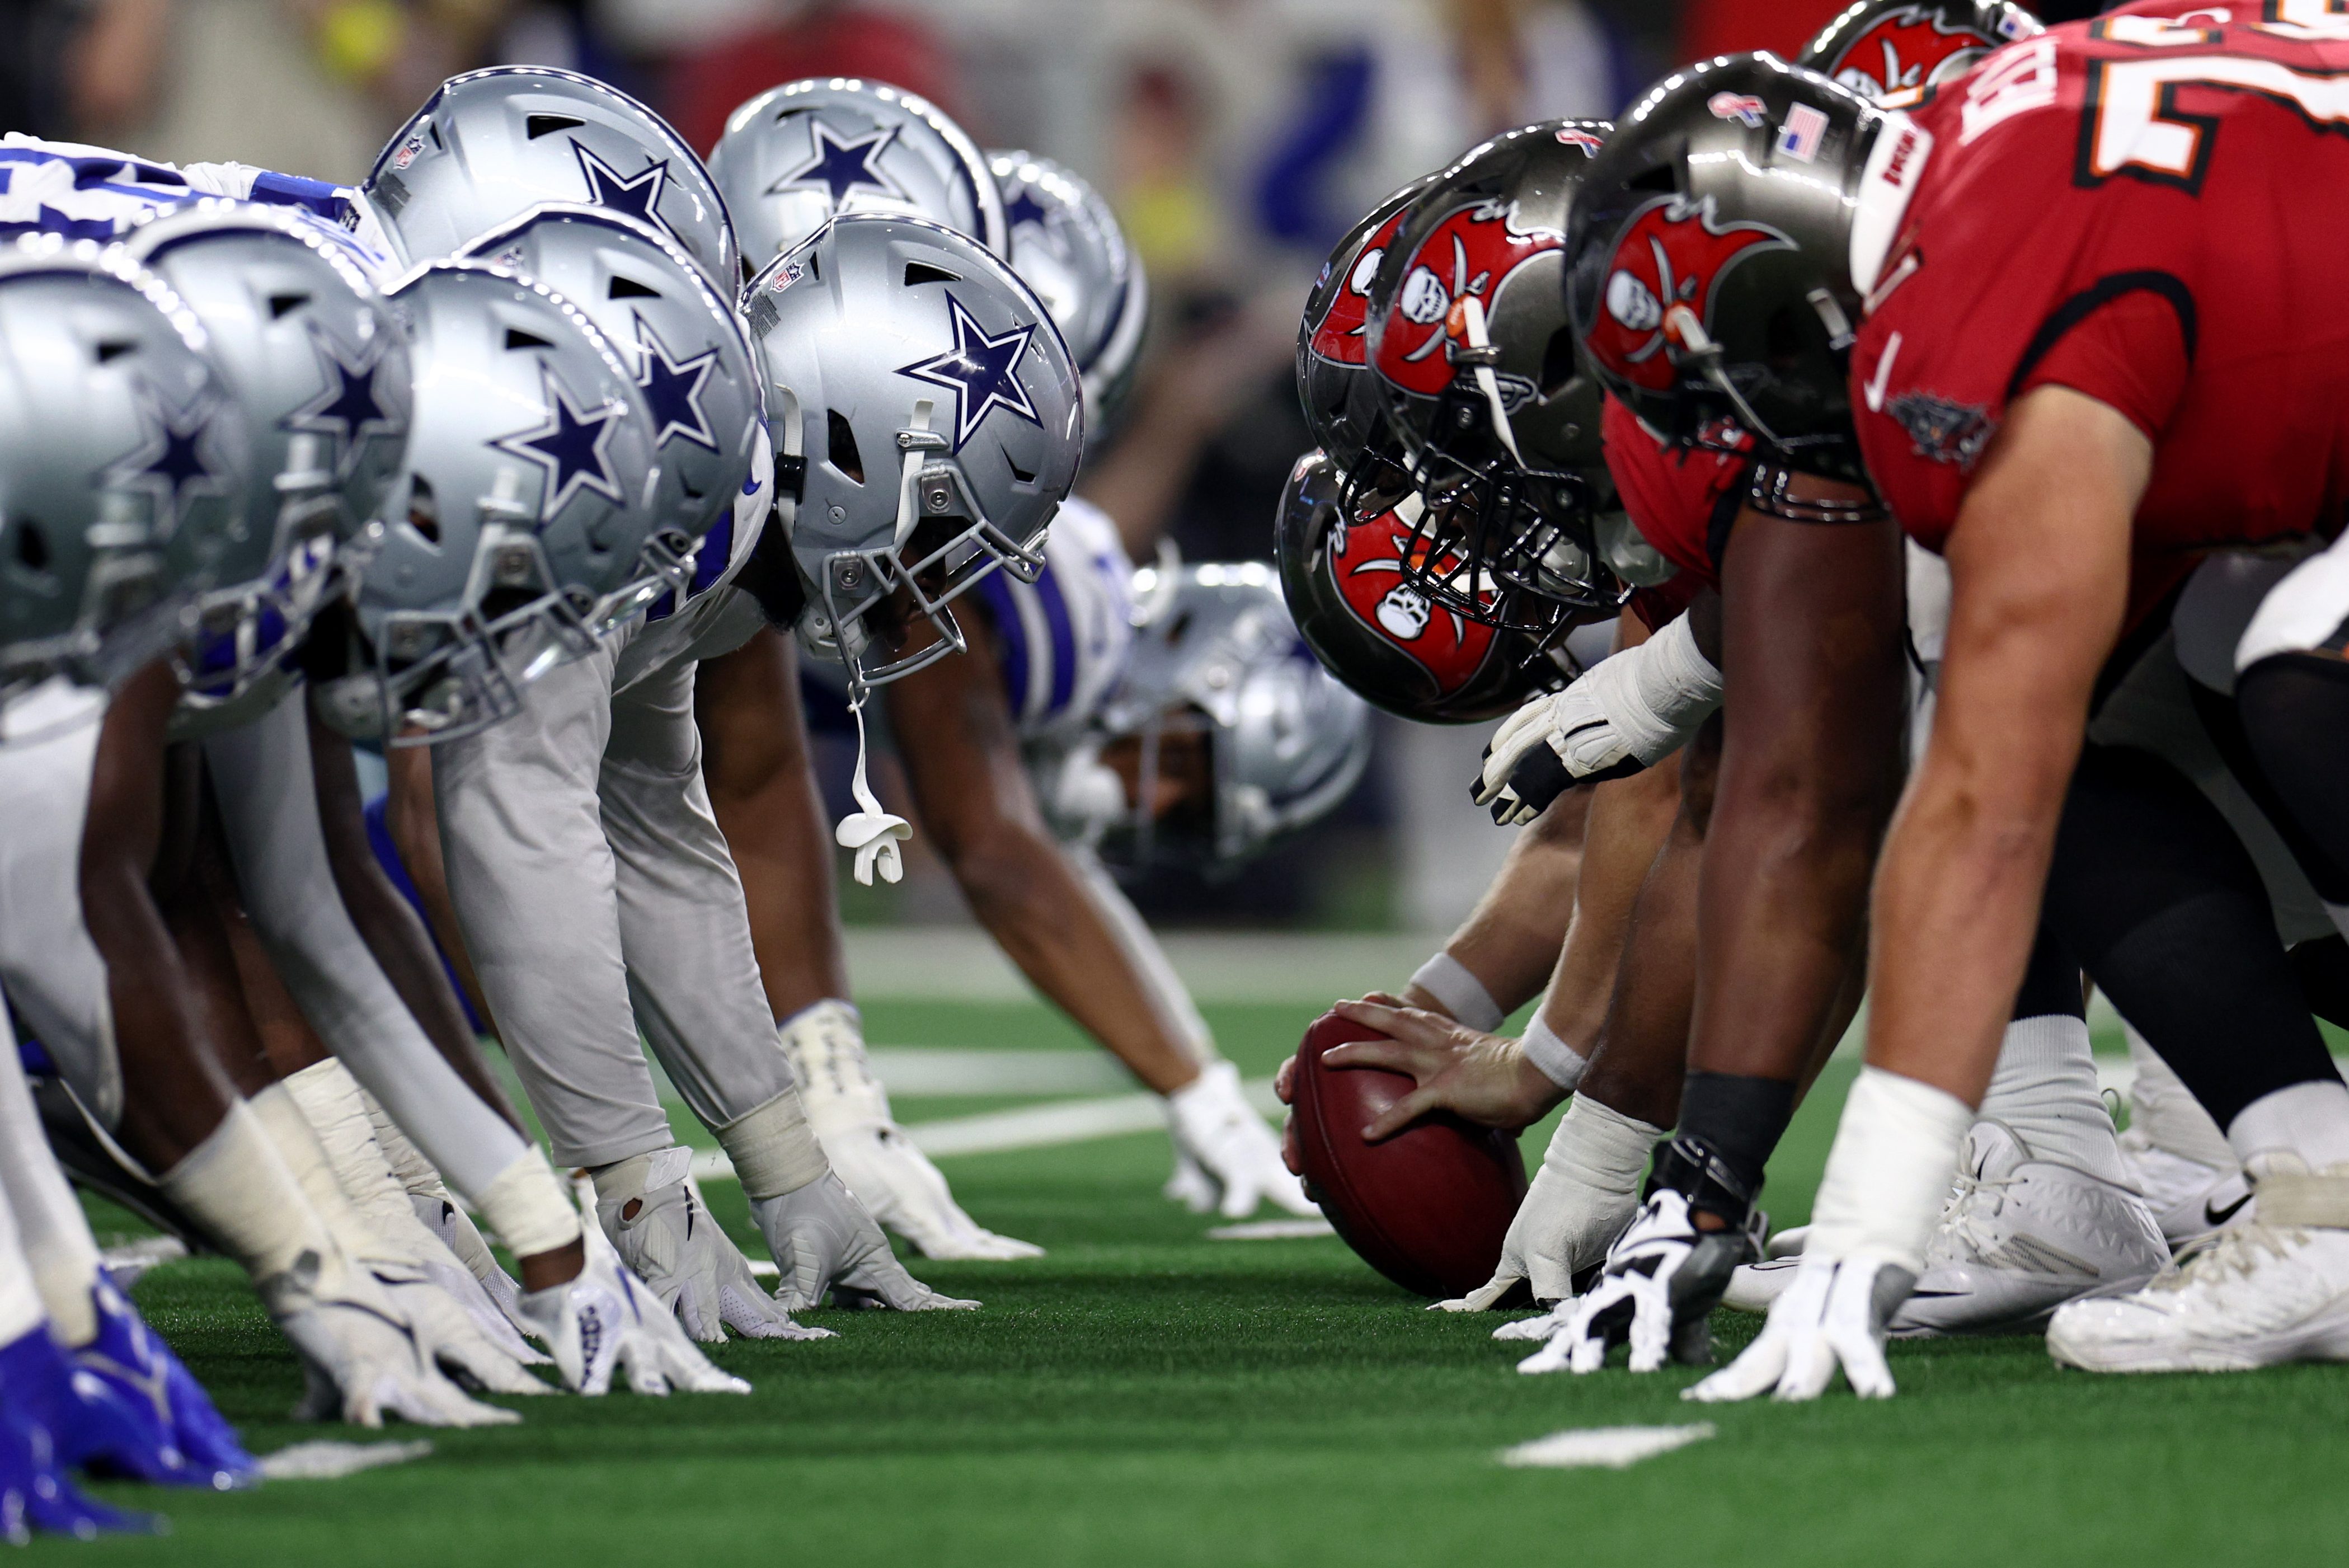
(1143, 1395)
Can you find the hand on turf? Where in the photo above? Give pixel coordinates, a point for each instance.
(685, 1261)
(1833, 1316)
(1556, 740)
(360, 1357)
(605, 1320)
(1211, 1120)
(1659, 1285)
(823, 1239)
(451, 1339)
(1482, 1078)
(1562, 1230)
(900, 1188)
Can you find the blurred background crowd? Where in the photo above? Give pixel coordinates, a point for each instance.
(1236, 138)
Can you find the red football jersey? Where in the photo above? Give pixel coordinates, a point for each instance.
(2145, 208)
(1682, 499)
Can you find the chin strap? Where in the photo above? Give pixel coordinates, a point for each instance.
(1480, 359)
(873, 833)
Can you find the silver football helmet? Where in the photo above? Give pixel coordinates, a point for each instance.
(492, 144)
(799, 155)
(525, 524)
(927, 423)
(312, 354)
(1067, 246)
(123, 464)
(692, 358)
(1285, 742)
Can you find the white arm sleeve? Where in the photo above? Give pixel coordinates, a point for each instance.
(269, 804)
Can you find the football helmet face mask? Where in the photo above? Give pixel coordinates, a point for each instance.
(926, 420)
(1711, 275)
(525, 524)
(1886, 51)
(492, 144)
(799, 155)
(123, 463)
(1065, 243)
(690, 356)
(1344, 580)
(1498, 422)
(1285, 742)
(313, 357)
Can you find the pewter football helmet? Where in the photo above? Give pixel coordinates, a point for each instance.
(490, 145)
(927, 423)
(1286, 741)
(525, 527)
(312, 354)
(1066, 244)
(123, 463)
(692, 361)
(799, 155)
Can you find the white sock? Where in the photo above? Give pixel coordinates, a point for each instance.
(237, 1186)
(20, 1299)
(297, 1143)
(2045, 1087)
(2164, 1113)
(2310, 1121)
(51, 1225)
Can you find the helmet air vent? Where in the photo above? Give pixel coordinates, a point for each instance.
(844, 454)
(539, 125)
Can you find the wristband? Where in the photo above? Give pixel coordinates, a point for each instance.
(1459, 993)
(1657, 695)
(1560, 1063)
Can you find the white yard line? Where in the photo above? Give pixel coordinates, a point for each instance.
(1029, 1126)
(1607, 1447)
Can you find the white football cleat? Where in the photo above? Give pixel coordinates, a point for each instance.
(823, 1239)
(2189, 1199)
(1237, 1151)
(651, 1212)
(848, 1111)
(2018, 1237)
(361, 1359)
(606, 1320)
(2252, 1296)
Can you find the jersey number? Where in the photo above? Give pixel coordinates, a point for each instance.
(2131, 123)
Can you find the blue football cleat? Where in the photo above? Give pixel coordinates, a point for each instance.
(92, 1424)
(34, 1493)
(132, 1360)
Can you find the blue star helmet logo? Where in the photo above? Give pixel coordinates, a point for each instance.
(347, 408)
(570, 446)
(1023, 208)
(981, 371)
(839, 167)
(638, 196)
(172, 462)
(673, 389)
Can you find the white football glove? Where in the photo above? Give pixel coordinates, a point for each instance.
(456, 1230)
(359, 1358)
(450, 1336)
(680, 1254)
(1661, 1284)
(605, 1319)
(823, 1239)
(1235, 1149)
(1627, 712)
(1582, 1199)
(848, 1111)
(1190, 1185)
(1833, 1316)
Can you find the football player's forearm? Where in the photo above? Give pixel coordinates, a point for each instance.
(1810, 769)
(1630, 822)
(1510, 942)
(415, 827)
(1022, 890)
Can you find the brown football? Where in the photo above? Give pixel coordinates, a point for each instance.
(1430, 1206)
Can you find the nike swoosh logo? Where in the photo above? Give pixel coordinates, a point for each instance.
(2217, 1216)
(1883, 376)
